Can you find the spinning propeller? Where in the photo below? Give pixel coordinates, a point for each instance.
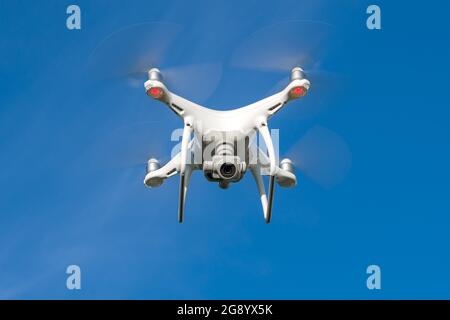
(129, 53)
(280, 47)
(126, 56)
(320, 154)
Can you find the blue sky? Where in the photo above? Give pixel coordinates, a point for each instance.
(62, 202)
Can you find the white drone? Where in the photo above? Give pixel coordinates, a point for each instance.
(225, 141)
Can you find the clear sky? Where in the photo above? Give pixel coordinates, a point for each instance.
(63, 203)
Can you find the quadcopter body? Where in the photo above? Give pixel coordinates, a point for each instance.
(222, 143)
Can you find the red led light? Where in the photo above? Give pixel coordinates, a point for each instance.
(155, 92)
(297, 92)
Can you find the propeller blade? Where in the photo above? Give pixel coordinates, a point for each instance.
(280, 47)
(283, 46)
(132, 49)
(323, 156)
(132, 145)
(196, 82)
(129, 53)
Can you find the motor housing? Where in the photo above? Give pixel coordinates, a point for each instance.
(153, 165)
(287, 165)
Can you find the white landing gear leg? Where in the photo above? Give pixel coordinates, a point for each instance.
(267, 203)
(185, 168)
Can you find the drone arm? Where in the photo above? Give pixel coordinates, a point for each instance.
(182, 106)
(156, 178)
(267, 107)
(285, 178)
(156, 89)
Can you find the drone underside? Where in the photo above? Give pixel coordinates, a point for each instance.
(222, 143)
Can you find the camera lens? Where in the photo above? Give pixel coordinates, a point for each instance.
(228, 170)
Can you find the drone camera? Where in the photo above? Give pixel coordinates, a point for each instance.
(228, 170)
(224, 169)
(224, 166)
